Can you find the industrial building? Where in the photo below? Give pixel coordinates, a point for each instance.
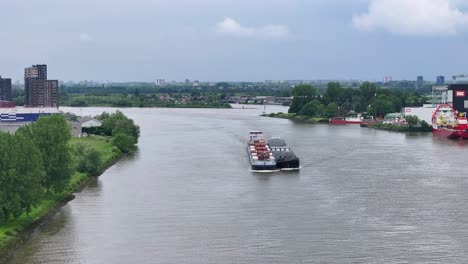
(454, 94)
(423, 113)
(457, 95)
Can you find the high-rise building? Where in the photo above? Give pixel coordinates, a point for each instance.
(440, 80)
(160, 82)
(5, 89)
(36, 72)
(40, 92)
(420, 82)
(388, 79)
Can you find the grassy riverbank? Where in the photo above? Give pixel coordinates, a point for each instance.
(299, 118)
(13, 232)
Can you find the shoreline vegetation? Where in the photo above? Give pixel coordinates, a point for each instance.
(413, 126)
(399, 128)
(149, 101)
(88, 157)
(311, 107)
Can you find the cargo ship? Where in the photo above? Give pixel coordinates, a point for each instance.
(25, 114)
(273, 155)
(260, 154)
(448, 123)
(285, 157)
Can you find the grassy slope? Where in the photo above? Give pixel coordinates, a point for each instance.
(10, 229)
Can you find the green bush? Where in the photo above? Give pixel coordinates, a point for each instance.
(87, 158)
(115, 123)
(123, 142)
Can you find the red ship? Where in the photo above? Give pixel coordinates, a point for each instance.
(448, 123)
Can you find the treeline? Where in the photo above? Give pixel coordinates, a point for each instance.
(142, 100)
(205, 96)
(38, 161)
(258, 89)
(336, 100)
(34, 161)
(228, 88)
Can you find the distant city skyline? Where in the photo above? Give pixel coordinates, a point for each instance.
(384, 79)
(221, 40)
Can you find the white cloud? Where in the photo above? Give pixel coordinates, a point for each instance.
(413, 17)
(230, 26)
(85, 37)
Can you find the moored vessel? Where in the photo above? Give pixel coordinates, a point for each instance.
(448, 123)
(338, 120)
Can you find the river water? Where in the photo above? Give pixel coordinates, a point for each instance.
(188, 196)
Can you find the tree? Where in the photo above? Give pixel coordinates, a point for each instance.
(123, 142)
(334, 93)
(115, 123)
(346, 107)
(382, 105)
(396, 103)
(368, 92)
(51, 135)
(311, 108)
(356, 102)
(30, 170)
(332, 109)
(412, 121)
(302, 94)
(10, 202)
(87, 158)
(78, 102)
(21, 174)
(94, 161)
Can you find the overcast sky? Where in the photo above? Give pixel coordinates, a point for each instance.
(234, 40)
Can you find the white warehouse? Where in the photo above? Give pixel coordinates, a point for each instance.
(423, 113)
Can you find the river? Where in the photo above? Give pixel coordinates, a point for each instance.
(187, 196)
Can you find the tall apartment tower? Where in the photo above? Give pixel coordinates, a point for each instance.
(40, 92)
(5, 89)
(440, 80)
(420, 82)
